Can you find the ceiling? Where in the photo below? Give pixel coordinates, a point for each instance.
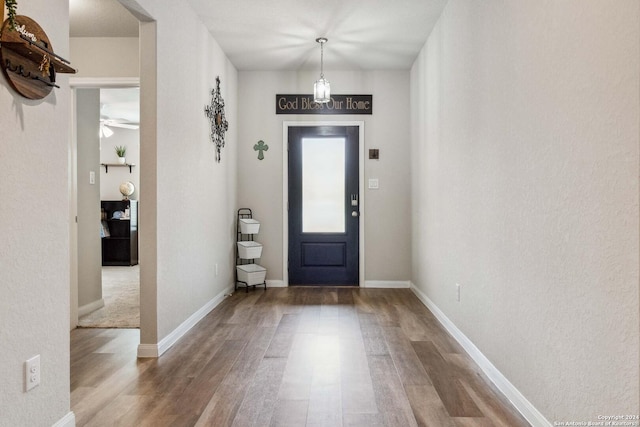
(280, 34)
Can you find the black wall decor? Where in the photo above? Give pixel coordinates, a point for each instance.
(215, 113)
(338, 104)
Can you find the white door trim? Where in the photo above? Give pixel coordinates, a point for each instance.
(285, 191)
(103, 82)
(82, 83)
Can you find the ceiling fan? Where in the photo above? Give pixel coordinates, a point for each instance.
(106, 124)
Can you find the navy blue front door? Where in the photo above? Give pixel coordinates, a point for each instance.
(324, 205)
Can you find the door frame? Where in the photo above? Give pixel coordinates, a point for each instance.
(82, 83)
(285, 192)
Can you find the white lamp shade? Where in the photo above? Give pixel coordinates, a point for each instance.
(322, 91)
(105, 132)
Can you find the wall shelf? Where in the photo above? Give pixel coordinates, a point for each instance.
(117, 165)
(34, 52)
(27, 59)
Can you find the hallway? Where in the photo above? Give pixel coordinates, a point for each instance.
(290, 356)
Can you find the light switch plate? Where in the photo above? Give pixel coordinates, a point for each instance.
(373, 184)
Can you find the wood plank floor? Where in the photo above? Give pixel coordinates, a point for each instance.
(299, 356)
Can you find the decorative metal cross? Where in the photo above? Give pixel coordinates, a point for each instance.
(215, 113)
(260, 147)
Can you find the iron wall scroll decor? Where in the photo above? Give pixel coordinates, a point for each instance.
(215, 113)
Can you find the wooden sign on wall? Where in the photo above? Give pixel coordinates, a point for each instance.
(339, 104)
(27, 58)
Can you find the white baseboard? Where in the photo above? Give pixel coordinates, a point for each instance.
(397, 284)
(148, 351)
(528, 411)
(68, 420)
(156, 350)
(276, 284)
(91, 307)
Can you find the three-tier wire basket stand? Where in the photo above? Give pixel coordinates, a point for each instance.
(248, 272)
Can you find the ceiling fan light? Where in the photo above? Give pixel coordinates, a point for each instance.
(105, 132)
(322, 90)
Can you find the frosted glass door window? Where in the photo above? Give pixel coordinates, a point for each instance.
(323, 185)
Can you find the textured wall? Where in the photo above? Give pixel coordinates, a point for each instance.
(188, 206)
(88, 197)
(525, 189)
(34, 230)
(105, 56)
(386, 233)
(110, 181)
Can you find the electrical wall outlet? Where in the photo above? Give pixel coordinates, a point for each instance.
(458, 292)
(32, 373)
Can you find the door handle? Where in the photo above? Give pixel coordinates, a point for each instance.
(354, 214)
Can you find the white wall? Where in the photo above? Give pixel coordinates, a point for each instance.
(88, 201)
(34, 225)
(187, 200)
(387, 231)
(105, 56)
(525, 188)
(110, 180)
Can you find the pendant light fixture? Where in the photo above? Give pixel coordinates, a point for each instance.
(322, 87)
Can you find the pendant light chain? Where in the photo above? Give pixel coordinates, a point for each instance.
(322, 60)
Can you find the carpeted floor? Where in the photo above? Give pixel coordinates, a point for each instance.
(121, 295)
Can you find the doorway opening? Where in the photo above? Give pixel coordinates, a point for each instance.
(108, 286)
